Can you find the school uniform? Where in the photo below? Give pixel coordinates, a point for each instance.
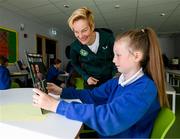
(5, 79)
(52, 75)
(117, 108)
(95, 62)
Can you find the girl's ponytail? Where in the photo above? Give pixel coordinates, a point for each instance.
(155, 66)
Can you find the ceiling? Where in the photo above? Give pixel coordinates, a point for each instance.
(129, 14)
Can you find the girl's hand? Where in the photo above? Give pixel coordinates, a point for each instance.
(43, 100)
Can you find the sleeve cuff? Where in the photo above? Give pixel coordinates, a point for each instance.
(62, 107)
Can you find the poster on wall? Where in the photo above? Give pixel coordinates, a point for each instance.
(8, 44)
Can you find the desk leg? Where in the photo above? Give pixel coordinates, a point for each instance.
(65, 80)
(174, 102)
(167, 77)
(78, 134)
(26, 80)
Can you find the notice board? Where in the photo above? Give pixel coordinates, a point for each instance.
(8, 44)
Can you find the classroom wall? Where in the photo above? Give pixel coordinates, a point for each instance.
(167, 45)
(66, 40)
(177, 46)
(11, 20)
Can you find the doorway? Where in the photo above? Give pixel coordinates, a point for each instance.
(47, 48)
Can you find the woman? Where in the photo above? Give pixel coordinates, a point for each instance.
(124, 107)
(92, 52)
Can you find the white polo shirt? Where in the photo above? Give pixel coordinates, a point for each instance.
(136, 76)
(94, 47)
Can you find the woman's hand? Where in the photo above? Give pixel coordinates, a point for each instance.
(43, 100)
(92, 81)
(54, 89)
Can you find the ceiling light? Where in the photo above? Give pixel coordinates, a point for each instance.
(116, 6)
(53, 32)
(66, 6)
(22, 27)
(162, 14)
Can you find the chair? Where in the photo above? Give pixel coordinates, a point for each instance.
(79, 83)
(14, 85)
(20, 65)
(163, 123)
(177, 84)
(175, 80)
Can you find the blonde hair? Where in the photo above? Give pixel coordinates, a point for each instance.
(152, 63)
(82, 13)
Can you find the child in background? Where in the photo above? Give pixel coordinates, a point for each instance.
(5, 79)
(53, 73)
(123, 107)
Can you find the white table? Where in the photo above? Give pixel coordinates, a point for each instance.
(53, 126)
(171, 71)
(20, 74)
(170, 91)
